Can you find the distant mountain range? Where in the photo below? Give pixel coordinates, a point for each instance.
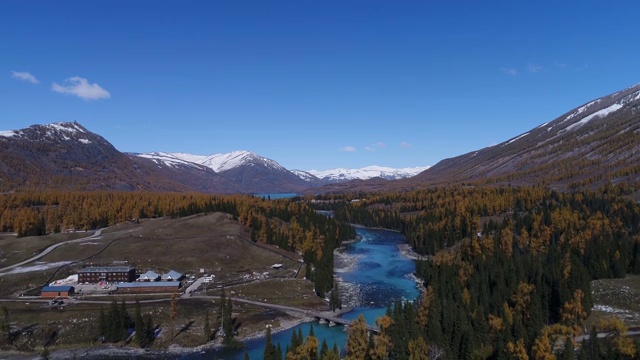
(68, 156)
(589, 146)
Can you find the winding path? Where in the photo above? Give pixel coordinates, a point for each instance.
(48, 250)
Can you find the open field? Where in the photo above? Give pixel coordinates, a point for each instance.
(213, 242)
(616, 297)
(14, 249)
(291, 292)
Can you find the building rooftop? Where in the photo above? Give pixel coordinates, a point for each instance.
(57, 288)
(148, 284)
(172, 275)
(101, 269)
(149, 275)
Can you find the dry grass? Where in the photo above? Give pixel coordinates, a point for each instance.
(15, 284)
(14, 249)
(214, 242)
(616, 297)
(298, 293)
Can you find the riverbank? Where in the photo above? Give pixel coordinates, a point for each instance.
(173, 351)
(407, 251)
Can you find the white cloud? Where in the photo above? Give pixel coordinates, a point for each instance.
(348, 149)
(510, 71)
(533, 68)
(25, 76)
(405, 145)
(81, 88)
(560, 64)
(378, 145)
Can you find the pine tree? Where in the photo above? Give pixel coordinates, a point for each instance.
(114, 332)
(335, 350)
(4, 325)
(324, 349)
(173, 312)
(334, 298)
(278, 354)
(206, 327)
(269, 349)
(102, 324)
(139, 326)
(294, 342)
(569, 352)
(125, 321)
(149, 330)
(227, 325)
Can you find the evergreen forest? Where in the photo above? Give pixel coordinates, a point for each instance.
(507, 271)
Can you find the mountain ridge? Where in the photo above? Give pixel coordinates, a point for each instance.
(587, 146)
(592, 145)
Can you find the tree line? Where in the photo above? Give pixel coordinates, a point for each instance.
(510, 268)
(291, 224)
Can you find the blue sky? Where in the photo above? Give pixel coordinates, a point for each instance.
(312, 84)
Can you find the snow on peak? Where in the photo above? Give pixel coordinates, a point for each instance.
(304, 175)
(368, 172)
(8, 133)
(228, 161)
(172, 159)
(216, 162)
(57, 131)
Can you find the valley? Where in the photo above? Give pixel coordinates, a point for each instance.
(319, 180)
(485, 250)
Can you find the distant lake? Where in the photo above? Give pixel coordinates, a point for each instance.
(276, 196)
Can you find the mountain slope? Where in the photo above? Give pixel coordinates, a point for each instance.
(250, 172)
(69, 157)
(589, 146)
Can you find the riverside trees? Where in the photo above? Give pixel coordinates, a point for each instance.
(510, 268)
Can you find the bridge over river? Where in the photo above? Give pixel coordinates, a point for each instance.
(327, 316)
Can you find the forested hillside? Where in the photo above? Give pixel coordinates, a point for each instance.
(287, 223)
(510, 268)
(508, 274)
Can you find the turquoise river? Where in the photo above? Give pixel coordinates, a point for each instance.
(371, 273)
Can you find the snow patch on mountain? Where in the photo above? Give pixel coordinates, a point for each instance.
(343, 174)
(580, 110)
(172, 159)
(304, 175)
(606, 111)
(516, 138)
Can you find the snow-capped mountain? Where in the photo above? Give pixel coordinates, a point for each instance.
(68, 156)
(216, 162)
(221, 163)
(251, 172)
(56, 132)
(369, 172)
